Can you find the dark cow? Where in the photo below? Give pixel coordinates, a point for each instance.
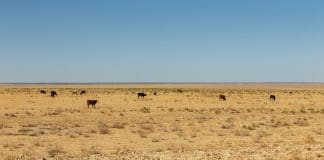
(92, 103)
(222, 97)
(42, 92)
(272, 98)
(83, 92)
(154, 93)
(141, 95)
(53, 94)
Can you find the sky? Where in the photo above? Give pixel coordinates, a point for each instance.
(44, 41)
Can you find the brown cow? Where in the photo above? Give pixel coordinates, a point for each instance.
(222, 97)
(53, 94)
(42, 92)
(92, 103)
(272, 98)
(83, 92)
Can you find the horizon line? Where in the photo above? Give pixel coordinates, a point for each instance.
(135, 83)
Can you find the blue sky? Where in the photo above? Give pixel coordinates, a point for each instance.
(162, 41)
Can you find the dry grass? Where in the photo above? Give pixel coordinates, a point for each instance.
(180, 122)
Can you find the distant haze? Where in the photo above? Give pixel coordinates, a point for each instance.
(161, 41)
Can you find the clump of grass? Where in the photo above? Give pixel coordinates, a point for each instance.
(250, 127)
(322, 110)
(147, 127)
(241, 133)
(145, 110)
(309, 139)
(188, 110)
(36, 133)
(58, 111)
(119, 125)
(29, 125)
(156, 139)
(279, 123)
(228, 126)
(303, 110)
(6, 145)
(25, 130)
(54, 151)
(103, 128)
(142, 133)
(301, 122)
(10, 115)
(93, 150)
(218, 112)
(319, 131)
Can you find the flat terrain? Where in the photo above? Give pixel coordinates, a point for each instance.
(183, 121)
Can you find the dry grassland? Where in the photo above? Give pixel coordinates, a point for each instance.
(180, 122)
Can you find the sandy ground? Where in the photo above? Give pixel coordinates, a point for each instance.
(183, 121)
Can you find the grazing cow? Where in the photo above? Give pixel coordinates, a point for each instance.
(141, 95)
(222, 97)
(53, 94)
(272, 98)
(83, 92)
(154, 93)
(92, 103)
(42, 92)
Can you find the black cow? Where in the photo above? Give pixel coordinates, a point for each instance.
(42, 92)
(53, 94)
(83, 92)
(141, 95)
(92, 103)
(272, 98)
(222, 97)
(154, 93)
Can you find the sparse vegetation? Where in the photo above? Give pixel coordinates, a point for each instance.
(145, 110)
(54, 151)
(103, 128)
(188, 122)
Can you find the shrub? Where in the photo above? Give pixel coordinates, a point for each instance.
(145, 110)
(103, 128)
(55, 151)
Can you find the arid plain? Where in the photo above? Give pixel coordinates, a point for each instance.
(183, 121)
